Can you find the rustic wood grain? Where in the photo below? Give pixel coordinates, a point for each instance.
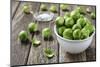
(20, 51)
(36, 55)
(26, 53)
(14, 7)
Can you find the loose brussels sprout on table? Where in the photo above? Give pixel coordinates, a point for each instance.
(35, 42)
(26, 9)
(93, 15)
(43, 7)
(48, 52)
(53, 9)
(64, 7)
(81, 9)
(59, 21)
(88, 10)
(32, 27)
(23, 35)
(46, 33)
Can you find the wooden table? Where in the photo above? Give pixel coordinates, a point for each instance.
(27, 54)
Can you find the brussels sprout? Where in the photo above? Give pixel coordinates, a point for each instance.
(75, 14)
(68, 33)
(48, 52)
(61, 30)
(59, 21)
(76, 26)
(23, 36)
(77, 34)
(43, 7)
(53, 9)
(93, 15)
(63, 7)
(81, 21)
(32, 27)
(88, 10)
(26, 9)
(89, 27)
(46, 33)
(35, 42)
(81, 9)
(84, 33)
(66, 15)
(69, 22)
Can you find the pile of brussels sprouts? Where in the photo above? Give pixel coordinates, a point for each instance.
(74, 25)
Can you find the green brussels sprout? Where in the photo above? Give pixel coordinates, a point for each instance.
(66, 15)
(53, 9)
(43, 7)
(75, 14)
(89, 27)
(61, 30)
(26, 9)
(59, 21)
(23, 36)
(46, 33)
(64, 7)
(81, 9)
(77, 34)
(48, 52)
(32, 27)
(84, 33)
(69, 22)
(35, 42)
(68, 33)
(76, 26)
(88, 10)
(81, 21)
(93, 15)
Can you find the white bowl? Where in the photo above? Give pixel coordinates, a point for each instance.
(73, 46)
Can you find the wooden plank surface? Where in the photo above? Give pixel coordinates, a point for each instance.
(14, 7)
(36, 55)
(26, 53)
(19, 51)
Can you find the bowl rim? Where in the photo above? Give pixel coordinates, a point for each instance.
(72, 40)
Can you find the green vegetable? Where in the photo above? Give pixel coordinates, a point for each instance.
(76, 26)
(66, 15)
(26, 9)
(68, 33)
(81, 9)
(81, 21)
(32, 27)
(93, 15)
(53, 9)
(48, 52)
(75, 14)
(23, 36)
(43, 7)
(59, 21)
(64, 7)
(77, 34)
(69, 22)
(35, 42)
(46, 33)
(88, 10)
(84, 33)
(61, 30)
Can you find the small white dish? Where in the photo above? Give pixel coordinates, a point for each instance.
(43, 16)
